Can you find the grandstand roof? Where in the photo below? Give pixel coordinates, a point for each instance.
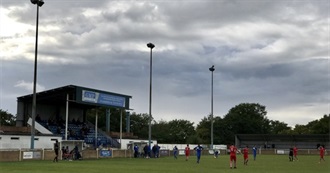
(58, 96)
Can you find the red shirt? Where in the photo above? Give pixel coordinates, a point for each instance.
(187, 151)
(295, 150)
(232, 150)
(245, 151)
(322, 150)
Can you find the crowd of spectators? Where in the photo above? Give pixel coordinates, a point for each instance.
(76, 129)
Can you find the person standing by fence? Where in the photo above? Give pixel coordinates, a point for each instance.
(56, 148)
(145, 150)
(136, 151)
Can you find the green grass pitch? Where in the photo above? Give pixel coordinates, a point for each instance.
(208, 164)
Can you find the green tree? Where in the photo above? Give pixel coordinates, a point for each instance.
(219, 131)
(320, 126)
(194, 139)
(203, 130)
(7, 119)
(175, 131)
(140, 125)
(277, 127)
(246, 118)
(300, 130)
(160, 131)
(181, 130)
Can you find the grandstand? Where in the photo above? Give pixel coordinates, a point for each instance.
(61, 112)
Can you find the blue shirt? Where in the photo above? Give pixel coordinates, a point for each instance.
(198, 150)
(175, 149)
(136, 148)
(254, 151)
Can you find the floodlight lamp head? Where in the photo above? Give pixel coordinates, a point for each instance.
(212, 68)
(34, 1)
(38, 2)
(150, 45)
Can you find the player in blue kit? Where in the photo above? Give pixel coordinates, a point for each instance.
(175, 152)
(254, 153)
(198, 150)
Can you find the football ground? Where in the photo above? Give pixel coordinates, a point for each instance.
(208, 164)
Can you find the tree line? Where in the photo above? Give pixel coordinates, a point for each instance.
(244, 118)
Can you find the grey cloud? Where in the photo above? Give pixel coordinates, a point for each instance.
(271, 52)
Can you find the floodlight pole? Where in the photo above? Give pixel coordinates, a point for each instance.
(212, 70)
(39, 3)
(151, 46)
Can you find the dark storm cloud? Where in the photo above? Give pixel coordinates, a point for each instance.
(270, 52)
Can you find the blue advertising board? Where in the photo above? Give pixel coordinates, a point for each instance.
(102, 98)
(105, 153)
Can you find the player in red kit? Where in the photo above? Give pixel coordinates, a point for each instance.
(187, 152)
(295, 151)
(322, 151)
(232, 150)
(246, 155)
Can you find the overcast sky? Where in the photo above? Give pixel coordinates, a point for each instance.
(275, 53)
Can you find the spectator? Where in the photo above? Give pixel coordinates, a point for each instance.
(51, 121)
(72, 133)
(154, 150)
(73, 121)
(77, 155)
(157, 150)
(136, 151)
(58, 130)
(145, 149)
(67, 151)
(56, 148)
(84, 130)
(63, 152)
(78, 122)
(38, 118)
(149, 151)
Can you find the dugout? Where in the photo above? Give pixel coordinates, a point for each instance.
(69, 103)
(267, 141)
